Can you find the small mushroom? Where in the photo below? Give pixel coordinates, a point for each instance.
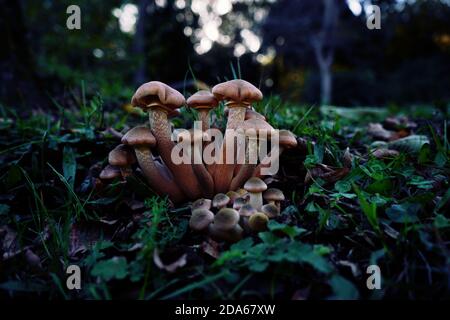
(201, 204)
(220, 201)
(226, 219)
(270, 210)
(142, 139)
(201, 219)
(203, 101)
(247, 210)
(245, 213)
(158, 99)
(258, 222)
(255, 187)
(238, 203)
(122, 157)
(274, 196)
(110, 172)
(239, 95)
(234, 234)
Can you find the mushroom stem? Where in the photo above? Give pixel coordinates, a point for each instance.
(204, 118)
(204, 177)
(183, 173)
(256, 200)
(223, 173)
(155, 178)
(246, 169)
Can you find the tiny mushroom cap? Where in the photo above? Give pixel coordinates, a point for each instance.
(242, 192)
(238, 91)
(226, 218)
(201, 204)
(201, 219)
(247, 210)
(121, 156)
(220, 200)
(273, 195)
(233, 235)
(233, 196)
(238, 203)
(255, 185)
(287, 139)
(110, 172)
(202, 99)
(157, 93)
(258, 222)
(139, 136)
(270, 210)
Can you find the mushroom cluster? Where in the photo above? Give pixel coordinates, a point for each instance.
(228, 217)
(149, 149)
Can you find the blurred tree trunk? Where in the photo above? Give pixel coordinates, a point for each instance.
(323, 45)
(139, 43)
(20, 83)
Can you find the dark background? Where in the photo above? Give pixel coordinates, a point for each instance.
(301, 46)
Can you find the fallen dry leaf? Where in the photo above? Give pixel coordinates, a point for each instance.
(211, 248)
(377, 131)
(385, 153)
(180, 262)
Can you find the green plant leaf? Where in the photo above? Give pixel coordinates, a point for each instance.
(114, 268)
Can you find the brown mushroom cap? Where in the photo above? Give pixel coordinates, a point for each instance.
(247, 210)
(226, 218)
(258, 222)
(220, 200)
(237, 90)
(139, 136)
(201, 204)
(121, 156)
(255, 185)
(235, 234)
(287, 139)
(201, 219)
(110, 172)
(155, 92)
(202, 99)
(270, 210)
(273, 194)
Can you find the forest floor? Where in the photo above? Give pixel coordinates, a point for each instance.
(367, 186)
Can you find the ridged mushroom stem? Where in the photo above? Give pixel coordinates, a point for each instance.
(204, 118)
(157, 180)
(223, 173)
(204, 177)
(248, 168)
(183, 173)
